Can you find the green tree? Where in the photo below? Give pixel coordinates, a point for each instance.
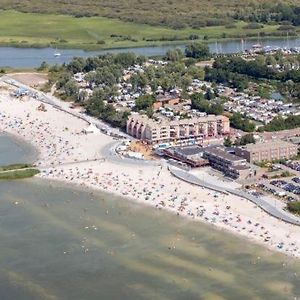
(237, 121)
(95, 104)
(125, 59)
(44, 66)
(197, 50)
(63, 79)
(198, 102)
(138, 81)
(149, 112)
(71, 89)
(174, 55)
(76, 65)
(144, 102)
(247, 139)
(209, 95)
(227, 142)
(196, 72)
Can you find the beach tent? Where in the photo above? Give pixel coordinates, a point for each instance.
(91, 129)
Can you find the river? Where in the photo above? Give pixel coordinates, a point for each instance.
(33, 57)
(59, 243)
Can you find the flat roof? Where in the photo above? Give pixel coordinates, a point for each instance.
(165, 121)
(217, 151)
(162, 98)
(188, 150)
(241, 167)
(267, 145)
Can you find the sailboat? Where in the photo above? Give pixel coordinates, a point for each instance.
(56, 53)
(257, 48)
(217, 48)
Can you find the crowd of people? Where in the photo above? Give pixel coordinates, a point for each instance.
(63, 148)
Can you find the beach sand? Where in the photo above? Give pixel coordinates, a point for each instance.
(67, 154)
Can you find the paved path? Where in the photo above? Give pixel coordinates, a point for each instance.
(267, 206)
(109, 152)
(75, 162)
(58, 104)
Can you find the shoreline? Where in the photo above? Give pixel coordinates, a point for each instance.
(60, 141)
(35, 153)
(92, 190)
(153, 44)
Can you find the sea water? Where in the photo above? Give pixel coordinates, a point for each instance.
(60, 242)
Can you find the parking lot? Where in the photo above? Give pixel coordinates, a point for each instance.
(277, 191)
(287, 186)
(294, 165)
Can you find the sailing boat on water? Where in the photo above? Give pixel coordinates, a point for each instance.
(56, 53)
(217, 48)
(257, 48)
(242, 45)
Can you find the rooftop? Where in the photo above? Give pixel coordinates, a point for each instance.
(217, 151)
(267, 145)
(189, 150)
(165, 98)
(166, 121)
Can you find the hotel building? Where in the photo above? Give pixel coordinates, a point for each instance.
(198, 130)
(268, 151)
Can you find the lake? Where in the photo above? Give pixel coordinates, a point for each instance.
(13, 150)
(33, 57)
(59, 242)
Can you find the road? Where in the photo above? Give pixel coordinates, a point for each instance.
(267, 206)
(64, 106)
(109, 152)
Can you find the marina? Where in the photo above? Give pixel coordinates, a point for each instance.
(33, 57)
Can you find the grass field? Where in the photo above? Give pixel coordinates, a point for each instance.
(18, 174)
(294, 207)
(17, 171)
(40, 30)
(170, 13)
(15, 167)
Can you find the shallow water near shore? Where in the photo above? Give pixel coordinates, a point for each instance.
(58, 242)
(14, 150)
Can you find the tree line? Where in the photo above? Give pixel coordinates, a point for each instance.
(103, 73)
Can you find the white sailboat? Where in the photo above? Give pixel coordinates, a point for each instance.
(56, 53)
(217, 48)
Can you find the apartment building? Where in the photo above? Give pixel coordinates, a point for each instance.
(197, 130)
(267, 151)
(229, 164)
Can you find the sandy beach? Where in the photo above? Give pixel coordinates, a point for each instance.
(67, 154)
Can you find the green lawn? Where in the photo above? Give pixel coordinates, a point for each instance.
(21, 29)
(15, 167)
(294, 207)
(18, 174)
(17, 171)
(171, 13)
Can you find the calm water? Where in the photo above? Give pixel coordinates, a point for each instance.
(133, 252)
(15, 151)
(32, 57)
